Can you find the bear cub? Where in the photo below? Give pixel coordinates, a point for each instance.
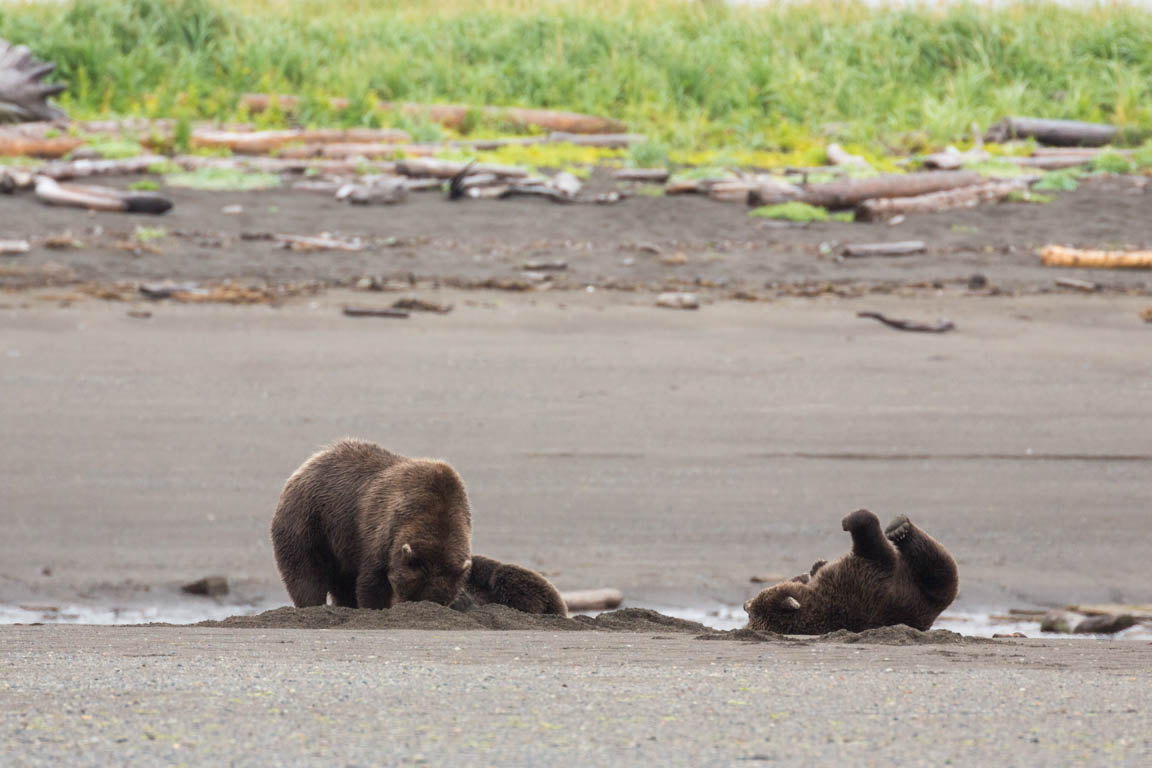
(897, 576)
(371, 529)
(491, 581)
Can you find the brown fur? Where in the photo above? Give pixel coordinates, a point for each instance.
(899, 576)
(491, 581)
(372, 529)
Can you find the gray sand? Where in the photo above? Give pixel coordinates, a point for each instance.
(85, 696)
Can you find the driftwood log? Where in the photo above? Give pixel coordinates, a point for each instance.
(15, 145)
(263, 142)
(99, 198)
(592, 600)
(964, 197)
(23, 93)
(455, 115)
(645, 175)
(1059, 133)
(940, 326)
(446, 169)
(838, 195)
(1059, 256)
(903, 248)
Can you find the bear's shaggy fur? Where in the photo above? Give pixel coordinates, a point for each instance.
(372, 529)
(491, 581)
(898, 576)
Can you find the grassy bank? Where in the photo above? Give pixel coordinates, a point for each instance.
(690, 74)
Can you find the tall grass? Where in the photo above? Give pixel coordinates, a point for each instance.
(689, 73)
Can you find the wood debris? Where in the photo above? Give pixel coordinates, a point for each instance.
(644, 175)
(837, 156)
(1058, 133)
(678, 300)
(14, 247)
(375, 312)
(1080, 285)
(23, 93)
(592, 600)
(100, 198)
(1060, 256)
(882, 208)
(413, 304)
(838, 195)
(940, 326)
(455, 115)
(902, 248)
(321, 242)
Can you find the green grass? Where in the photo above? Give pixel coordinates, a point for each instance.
(778, 78)
(793, 211)
(222, 179)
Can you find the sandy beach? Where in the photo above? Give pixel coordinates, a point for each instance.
(606, 443)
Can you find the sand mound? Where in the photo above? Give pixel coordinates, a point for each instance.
(897, 635)
(434, 616)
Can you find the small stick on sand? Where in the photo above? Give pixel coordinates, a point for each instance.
(941, 326)
(375, 312)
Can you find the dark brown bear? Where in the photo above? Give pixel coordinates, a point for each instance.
(491, 581)
(372, 529)
(899, 576)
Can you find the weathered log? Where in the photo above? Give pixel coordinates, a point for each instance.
(446, 169)
(592, 600)
(1059, 133)
(209, 586)
(1142, 612)
(1051, 162)
(77, 169)
(455, 115)
(284, 165)
(863, 250)
(12, 179)
(940, 326)
(963, 197)
(262, 142)
(375, 312)
(24, 146)
(1079, 285)
(645, 175)
(23, 93)
(99, 198)
(851, 192)
(14, 247)
(1059, 256)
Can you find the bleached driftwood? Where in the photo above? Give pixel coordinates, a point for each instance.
(446, 169)
(592, 600)
(99, 198)
(903, 248)
(455, 115)
(886, 207)
(839, 157)
(646, 175)
(1057, 133)
(851, 192)
(23, 93)
(262, 142)
(77, 169)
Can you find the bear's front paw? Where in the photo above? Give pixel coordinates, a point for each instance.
(898, 529)
(857, 520)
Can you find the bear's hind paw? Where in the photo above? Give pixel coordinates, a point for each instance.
(898, 529)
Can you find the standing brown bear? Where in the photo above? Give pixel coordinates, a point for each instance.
(898, 576)
(491, 581)
(372, 529)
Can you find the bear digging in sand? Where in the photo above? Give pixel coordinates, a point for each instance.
(372, 529)
(898, 576)
(491, 581)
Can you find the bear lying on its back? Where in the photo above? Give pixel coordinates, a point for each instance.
(899, 576)
(491, 581)
(372, 528)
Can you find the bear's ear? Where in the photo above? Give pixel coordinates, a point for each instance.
(790, 604)
(406, 550)
(467, 564)
(747, 604)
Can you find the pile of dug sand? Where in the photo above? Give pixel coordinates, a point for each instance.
(435, 616)
(494, 616)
